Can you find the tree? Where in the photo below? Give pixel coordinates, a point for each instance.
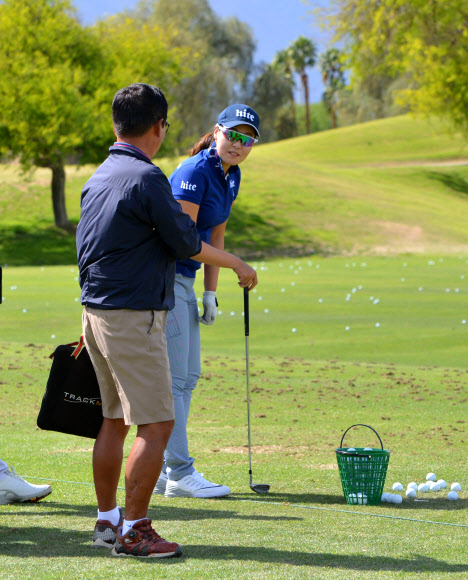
(424, 42)
(333, 79)
(270, 96)
(219, 56)
(282, 64)
(57, 80)
(303, 53)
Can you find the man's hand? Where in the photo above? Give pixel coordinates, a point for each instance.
(246, 274)
(210, 305)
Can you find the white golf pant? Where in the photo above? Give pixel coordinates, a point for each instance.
(183, 346)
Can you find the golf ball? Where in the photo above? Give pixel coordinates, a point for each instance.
(397, 487)
(452, 495)
(431, 477)
(455, 487)
(362, 498)
(397, 499)
(353, 498)
(434, 486)
(384, 497)
(423, 487)
(367, 448)
(442, 483)
(413, 485)
(410, 492)
(351, 449)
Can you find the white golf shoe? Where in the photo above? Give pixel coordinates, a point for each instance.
(195, 485)
(160, 487)
(14, 489)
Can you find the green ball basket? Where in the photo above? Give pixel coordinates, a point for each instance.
(362, 472)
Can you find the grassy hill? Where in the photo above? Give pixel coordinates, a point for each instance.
(380, 187)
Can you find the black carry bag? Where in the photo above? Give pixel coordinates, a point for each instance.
(72, 401)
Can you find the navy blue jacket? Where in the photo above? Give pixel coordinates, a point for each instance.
(130, 234)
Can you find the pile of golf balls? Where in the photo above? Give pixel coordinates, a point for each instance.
(358, 498)
(432, 484)
(391, 498)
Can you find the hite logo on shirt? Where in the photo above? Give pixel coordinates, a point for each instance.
(245, 114)
(71, 398)
(187, 185)
(232, 183)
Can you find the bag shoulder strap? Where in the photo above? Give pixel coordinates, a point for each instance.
(79, 347)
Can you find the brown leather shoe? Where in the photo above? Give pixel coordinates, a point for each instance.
(105, 533)
(141, 541)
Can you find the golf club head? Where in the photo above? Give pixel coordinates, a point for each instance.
(260, 487)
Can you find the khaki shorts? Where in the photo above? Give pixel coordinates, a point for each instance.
(129, 353)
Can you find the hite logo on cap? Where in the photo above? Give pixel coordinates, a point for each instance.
(71, 398)
(239, 114)
(245, 114)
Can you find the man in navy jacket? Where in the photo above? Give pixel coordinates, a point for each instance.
(130, 234)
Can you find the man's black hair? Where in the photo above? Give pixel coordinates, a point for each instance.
(136, 108)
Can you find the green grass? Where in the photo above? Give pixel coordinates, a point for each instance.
(379, 339)
(407, 378)
(419, 304)
(369, 188)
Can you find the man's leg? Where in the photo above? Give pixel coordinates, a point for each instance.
(144, 466)
(107, 462)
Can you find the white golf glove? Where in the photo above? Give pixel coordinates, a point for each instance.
(210, 305)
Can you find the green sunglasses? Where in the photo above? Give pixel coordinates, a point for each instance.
(234, 136)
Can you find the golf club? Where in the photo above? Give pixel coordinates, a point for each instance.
(256, 487)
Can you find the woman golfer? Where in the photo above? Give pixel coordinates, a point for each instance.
(206, 185)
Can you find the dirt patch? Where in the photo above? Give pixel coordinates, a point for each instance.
(327, 466)
(401, 238)
(403, 233)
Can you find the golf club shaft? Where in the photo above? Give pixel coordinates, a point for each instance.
(246, 329)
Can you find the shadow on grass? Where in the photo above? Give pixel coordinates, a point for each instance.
(166, 511)
(455, 182)
(46, 246)
(302, 498)
(42, 542)
(251, 236)
(323, 560)
(338, 501)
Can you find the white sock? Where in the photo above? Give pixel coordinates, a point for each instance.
(127, 524)
(113, 516)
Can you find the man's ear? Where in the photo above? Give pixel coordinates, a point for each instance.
(158, 128)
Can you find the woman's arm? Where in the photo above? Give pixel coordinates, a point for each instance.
(210, 273)
(189, 208)
(211, 255)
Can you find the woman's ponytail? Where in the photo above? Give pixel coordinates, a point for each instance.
(205, 143)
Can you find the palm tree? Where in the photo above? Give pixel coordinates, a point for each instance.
(333, 79)
(302, 53)
(282, 63)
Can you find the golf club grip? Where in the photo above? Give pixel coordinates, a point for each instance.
(246, 311)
